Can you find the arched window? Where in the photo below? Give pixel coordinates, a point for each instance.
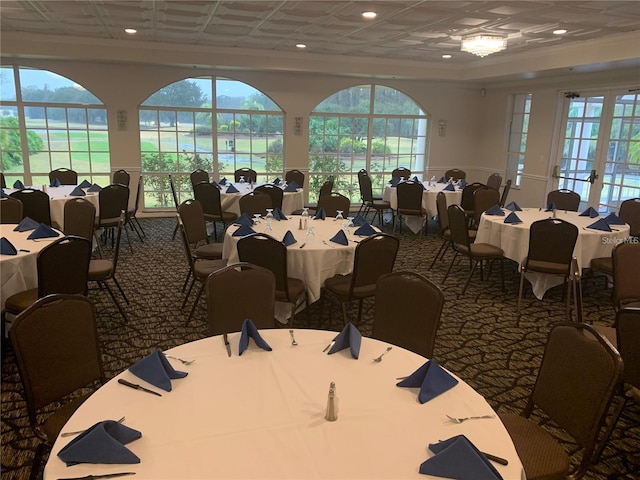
(368, 126)
(181, 130)
(47, 121)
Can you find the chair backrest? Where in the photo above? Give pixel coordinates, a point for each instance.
(174, 193)
(116, 249)
(209, 197)
(79, 218)
(275, 192)
(630, 213)
(327, 187)
(366, 189)
(441, 207)
(112, 199)
(186, 244)
(35, 204)
(57, 350)
(121, 177)
(494, 181)
(198, 176)
(295, 176)
(552, 240)
(138, 194)
(578, 375)
(193, 220)
(227, 291)
(401, 172)
(3, 181)
(484, 199)
(505, 192)
(374, 256)
(628, 341)
(249, 175)
(459, 227)
(576, 283)
(10, 210)
(626, 265)
(407, 311)
(266, 252)
(410, 197)
(63, 266)
(64, 175)
(455, 173)
(467, 202)
(564, 199)
(254, 202)
(334, 202)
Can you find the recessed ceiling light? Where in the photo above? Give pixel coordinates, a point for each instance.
(369, 15)
(130, 31)
(446, 55)
(301, 45)
(560, 31)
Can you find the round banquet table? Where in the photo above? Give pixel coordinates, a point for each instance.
(261, 415)
(514, 240)
(20, 272)
(230, 202)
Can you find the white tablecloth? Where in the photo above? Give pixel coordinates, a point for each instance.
(514, 240)
(428, 201)
(261, 415)
(230, 202)
(19, 272)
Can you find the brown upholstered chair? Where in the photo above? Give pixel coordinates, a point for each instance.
(112, 200)
(630, 213)
(564, 199)
(209, 197)
(483, 200)
(57, 352)
(579, 374)
(267, 252)
(443, 226)
(478, 253)
(79, 218)
(121, 177)
(3, 181)
(505, 193)
(628, 344)
(411, 323)
(401, 172)
(227, 291)
(64, 175)
(254, 203)
(374, 256)
(10, 210)
(275, 192)
(369, 202)
(195, 227)
(551, 244)
(334, 202)
(494, 181)
(198, 176)
(409, 203)
(295, 176)
(35, 204)
(130, 218)
(249, 175)
(626, 265)
(467, 201)
(456, 174)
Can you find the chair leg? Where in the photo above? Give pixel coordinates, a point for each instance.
(120, 288)
(360, 310)
(344, 311)
(520, 289)
(129, 240)
(475, 264)
(139, 226)
(37, 462)
(502, 273)
(95, 236)
(186, 297)
(115, 300)
(175, 231)
(450, 265)
(195, 303)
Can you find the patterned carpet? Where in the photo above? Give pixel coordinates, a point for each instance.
(479, 339)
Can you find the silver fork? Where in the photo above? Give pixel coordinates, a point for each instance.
(462, 419)
(184, 362)
(379, 359)
(293, 339)
(78, 432)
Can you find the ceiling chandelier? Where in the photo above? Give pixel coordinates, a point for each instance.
(483, 45)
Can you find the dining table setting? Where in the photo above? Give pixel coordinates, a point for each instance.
(230, 193)
(285, 403)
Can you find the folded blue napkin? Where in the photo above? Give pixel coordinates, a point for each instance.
(278, 215)
(442, 180)
(85, 184)
(223, 181)
(394, 181)
(462, 184)
(613, 219)
(156, 370)
(243, 231)
(94, 188)
(512, 218)
(6, 247)
(77, 192)
(449, 188)
(600, 224)
(364, 231)
(350, 337)
(514, 207)
(232, 189)
(276, 181)
(359, 220)
(320, 214)
(249, 330)
(104, 442)
(43, 231)
(340, 238)
(244, 219)
(18, 185)
(495, 210)
(551, 207)
(26, 224)
(55, 182)
(215, 184)
(458, 458)
(292, 187)
(590, 212)
(432, 380)
(289, 239)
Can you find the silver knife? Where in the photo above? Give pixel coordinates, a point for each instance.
(328, 347)
(94, 477)
(124, 382)
(226, 344)
(302, 246)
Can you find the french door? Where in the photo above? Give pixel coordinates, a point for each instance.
(599, 154)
